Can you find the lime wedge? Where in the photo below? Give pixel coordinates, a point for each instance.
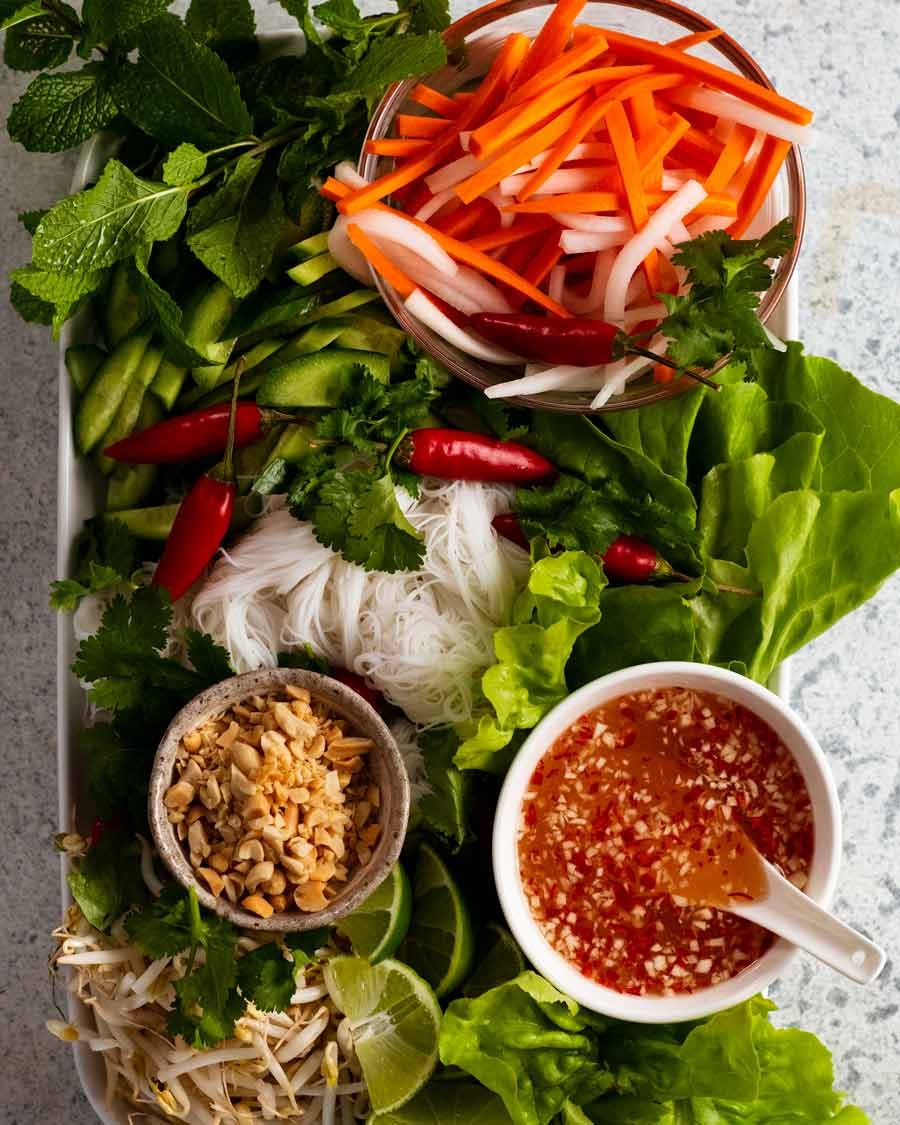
(394, 1021)
(499, 960)
(440, 944)
(376, 928)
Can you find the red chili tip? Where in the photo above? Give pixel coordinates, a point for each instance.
(356, 683)
(507, 525)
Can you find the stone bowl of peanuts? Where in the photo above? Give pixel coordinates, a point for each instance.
(280, 797)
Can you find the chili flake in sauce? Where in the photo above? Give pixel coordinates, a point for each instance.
(640, 816)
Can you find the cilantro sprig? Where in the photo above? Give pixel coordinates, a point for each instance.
(107, 555)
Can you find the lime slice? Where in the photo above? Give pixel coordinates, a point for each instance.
(440, 944)
(376, 928)
(499, 960)
(394, 1021)
(448, 1103)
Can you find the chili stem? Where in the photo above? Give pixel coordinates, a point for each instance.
(666, 362)
(228, 464)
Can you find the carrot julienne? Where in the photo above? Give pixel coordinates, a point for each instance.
(643, 112)
(397, 147)
(412, 126)
(632, 181)
(435, 100)
(507, 236)
(553, 37)
(379, 261)
(568, 63)
(687, 41)
(581, 202)
(768, 164)
(730, 159)
(497, 82)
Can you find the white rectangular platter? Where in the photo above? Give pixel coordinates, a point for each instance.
(78, 498)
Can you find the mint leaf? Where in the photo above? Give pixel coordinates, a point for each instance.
(392, 60)
(221, 24)
(109, 20)
(30, 220)
(108, 222)
(234, 231)
(20, 13)
(64, 292)
(426, 15)
(185, 164)
(32, 309)
(43, 42)
(60, 111)
(164, 311)
(107, 880)
(180, 90)
(265, 977)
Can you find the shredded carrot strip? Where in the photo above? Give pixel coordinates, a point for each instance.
(643, 113)
(512, 158)
(568, 63)
(632, 181)
(544, 261)
(412, 170)
(687, 41)
(731, 158)
(411, 125)
(553, 37)
(435, 100)
(507, 236)
(576, 202)
(766, 167)
(464, 220)
(333, 189)
(712, 205)
(379, 261)
(698, 149)
(512, 123)
(583, 125)
(394, 147)
(497, 82)
(653, 150)
(467, 254)
(631, 46)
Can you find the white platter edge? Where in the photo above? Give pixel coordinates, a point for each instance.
(77, 501)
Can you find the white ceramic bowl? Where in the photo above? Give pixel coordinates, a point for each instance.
(823, 870)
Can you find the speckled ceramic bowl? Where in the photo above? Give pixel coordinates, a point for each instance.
(384, 760)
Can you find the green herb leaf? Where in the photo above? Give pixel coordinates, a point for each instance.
(30, 220)
(426, 15)
(109, 21)
(265, 977)
(303, 657)
(305, 945)
(63, 292)
(30, 308)
(221, 24)
(392, 60)
(449, 1103)
(116, 775)
(184, 165)
(236, 230)
(20, 13)
(60, 111)
(163, 927)
(208, 659)
(108, 222)
(445, 810)
(163, 310)
(107, 879)
(41, 43)
(180, 90)
(207, 1001)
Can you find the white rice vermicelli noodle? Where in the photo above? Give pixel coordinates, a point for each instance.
(422, 637)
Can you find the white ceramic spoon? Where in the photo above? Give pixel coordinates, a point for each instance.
(791, 914)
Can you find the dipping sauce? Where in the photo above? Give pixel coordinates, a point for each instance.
(640, 817)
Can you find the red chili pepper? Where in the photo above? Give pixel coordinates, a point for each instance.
(358, 684)
(459, 455)
(201, 522)
(626, 559)
(97, 830)
(193, 436)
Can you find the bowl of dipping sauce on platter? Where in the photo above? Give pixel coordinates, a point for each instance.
(634, 812)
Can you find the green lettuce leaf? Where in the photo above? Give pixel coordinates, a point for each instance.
(446, 1102)
(528, 1044)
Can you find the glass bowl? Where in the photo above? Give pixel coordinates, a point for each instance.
(480, 34)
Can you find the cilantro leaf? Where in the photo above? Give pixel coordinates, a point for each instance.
(107, 222)
(718, 313)
(116, 775)
(43, 42)
(305, 945)
(107, 554)
(360, 517)
(209, 660)
(60, 111)
(235, 231)
(221, 24)
(265, 977)
(180, 90)
(303, 657)
(107, 880)
(207, 1001)
(162, 928)
(183, 165)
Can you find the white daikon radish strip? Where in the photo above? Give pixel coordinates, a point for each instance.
(348, 256)
(592, 302)
(596, 224)
(633, 253)
(735, 109)
(674, 178)
(710, 222)
(465, 138)
(644, 312)
(584, 242)
(453, 173)
(434, 205)
(679, 233)
(753, 150)
(590, 150)
(557, 284)
(665, 247)
(387, 226)
(495, 196)
(565, 180)
(618, 375)
(468, 291)
(345, 173)
(418, 305)
(562, 378)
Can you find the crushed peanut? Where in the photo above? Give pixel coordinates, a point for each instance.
(274, 804)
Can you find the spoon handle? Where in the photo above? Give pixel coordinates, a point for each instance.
(791, 914)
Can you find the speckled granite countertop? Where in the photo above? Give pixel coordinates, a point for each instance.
(845, 684)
